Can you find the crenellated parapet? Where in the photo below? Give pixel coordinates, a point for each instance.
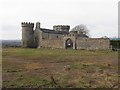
(61, 28)
(61, 25)
(27, 24)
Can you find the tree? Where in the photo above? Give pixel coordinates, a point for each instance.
(104, 37)
(81, 29)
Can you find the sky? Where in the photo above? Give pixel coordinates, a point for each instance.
(100, 16)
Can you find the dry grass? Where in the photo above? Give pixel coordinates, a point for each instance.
(59, 68)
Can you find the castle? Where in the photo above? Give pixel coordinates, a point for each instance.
(59, 37)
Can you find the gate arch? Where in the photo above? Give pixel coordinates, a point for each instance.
(69, 44)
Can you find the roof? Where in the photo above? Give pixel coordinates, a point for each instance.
(82, 35)
(53, 31)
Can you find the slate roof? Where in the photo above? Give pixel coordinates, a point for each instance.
(53, 31)
(59, 32)
(82, 35)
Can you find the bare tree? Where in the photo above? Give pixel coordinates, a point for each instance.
(104, 37)
(81, 29)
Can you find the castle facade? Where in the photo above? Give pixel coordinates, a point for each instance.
(59, 37)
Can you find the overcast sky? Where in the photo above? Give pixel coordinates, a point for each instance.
(100, 16)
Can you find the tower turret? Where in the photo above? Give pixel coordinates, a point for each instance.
(38, 35)
(61, 28)
(27, 34)
(74, 33)
(37, 25)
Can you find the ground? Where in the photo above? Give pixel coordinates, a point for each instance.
(59, 68)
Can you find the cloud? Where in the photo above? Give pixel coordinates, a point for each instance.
(98, 15)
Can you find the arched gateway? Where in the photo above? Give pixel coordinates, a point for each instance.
(69, 44)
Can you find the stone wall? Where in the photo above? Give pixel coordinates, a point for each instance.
(52, 43)
(81, 43)
(93, 43)
(51, 36)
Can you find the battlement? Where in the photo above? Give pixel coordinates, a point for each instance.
(27, 24)
(61, 27)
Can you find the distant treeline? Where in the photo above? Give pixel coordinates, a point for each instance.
(115, 44)
(11, 43)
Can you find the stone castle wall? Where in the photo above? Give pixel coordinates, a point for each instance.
(79, 44)
(93, 43)
(52, 40)
(52, 43)
(51, 36)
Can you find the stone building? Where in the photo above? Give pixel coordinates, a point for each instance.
(59, 37)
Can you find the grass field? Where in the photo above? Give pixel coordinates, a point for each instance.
(59, 68)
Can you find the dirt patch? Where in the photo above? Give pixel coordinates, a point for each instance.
(31, 66)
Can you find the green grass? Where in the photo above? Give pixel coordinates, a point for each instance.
(27, 82)
(23, 67)
(50, 52)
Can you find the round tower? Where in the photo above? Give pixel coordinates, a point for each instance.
(27, 34)
(38, 35)
(61, 28)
